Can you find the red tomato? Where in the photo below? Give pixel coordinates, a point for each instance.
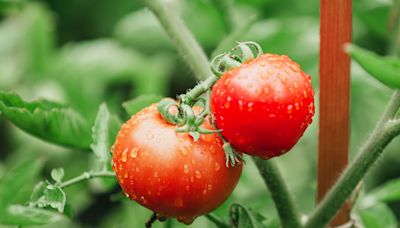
(263, 106)
(167, 171)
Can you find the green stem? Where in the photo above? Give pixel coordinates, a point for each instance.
(86, 176)
(285, 206)
(217, 221)
(199, 89)
(369, 153)
(182, 38)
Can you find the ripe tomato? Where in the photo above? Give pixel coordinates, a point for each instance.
(263, 106)
(168, 172)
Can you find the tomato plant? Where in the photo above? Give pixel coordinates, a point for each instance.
(240, 72)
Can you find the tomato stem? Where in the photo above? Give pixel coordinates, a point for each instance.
(386, 129)
(85, 176)
(181, 37)
(284, 203)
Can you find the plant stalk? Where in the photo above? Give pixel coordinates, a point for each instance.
(369, 153)
(86, 176)
(182, 38)
(284, 203)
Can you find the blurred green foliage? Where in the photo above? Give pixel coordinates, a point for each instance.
(83, 53)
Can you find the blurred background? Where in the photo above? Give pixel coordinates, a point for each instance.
(82, 52)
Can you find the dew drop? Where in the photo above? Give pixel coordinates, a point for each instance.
(250, 106)
(240, 104)
(198, 174)
(178, 202)
(305, 94)
(209, 187)
(272, 115)
(124, 155)
(134, 152)
(193, 162)
(156, 174)
(204, 191)
(227, 104)
(183, 151)
(266, 90)
(150, 136)
(297, 106)
(125, 174)
(217, 166)
(290, 108)
(126, 194)
(185, 168)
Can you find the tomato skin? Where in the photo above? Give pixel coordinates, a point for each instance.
(167, 172)
(263, 106)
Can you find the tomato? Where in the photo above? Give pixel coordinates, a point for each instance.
(168, 172)
(264, 105)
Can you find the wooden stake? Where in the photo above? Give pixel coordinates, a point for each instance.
(335, 31)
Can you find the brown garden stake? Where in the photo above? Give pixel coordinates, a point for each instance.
(335, 31)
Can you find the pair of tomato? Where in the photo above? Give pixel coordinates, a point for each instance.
(262, 107)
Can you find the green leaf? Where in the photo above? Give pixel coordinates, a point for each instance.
(384, 69)
(25, 216)
(378, 215)
(389, 192)
(15, 179)
(47, 195)
(242, 217)
(100, 137)
(49, 121)
(57, 174)
(135, 105)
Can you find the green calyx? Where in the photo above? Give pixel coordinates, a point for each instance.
(181, 113)
(243, 52)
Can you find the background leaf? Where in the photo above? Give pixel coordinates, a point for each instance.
(384, 69)
(243, 217)
(49, 121)
(378, 215)
(100, 137)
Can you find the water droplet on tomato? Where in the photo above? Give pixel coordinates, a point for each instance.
(204, 191)
(134, 152)
(198, 174)
(297, 106)
(250, 106)
(272, 115)
(183, 151)
(185, 168)
(305, 94)
(240, 104)
(124, 155)
(290, 108)
(144, 201)
(209, 187)
(155, 174)
(217, 166)
(125, 194)
(178, 202)
(150, 136)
